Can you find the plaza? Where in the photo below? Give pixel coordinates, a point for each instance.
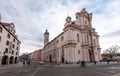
(101, 69)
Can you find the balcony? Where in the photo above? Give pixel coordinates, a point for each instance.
(69, 42)
(85, 44)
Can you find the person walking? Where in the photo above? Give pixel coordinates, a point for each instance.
(95, 62)
(28, 62)
(82, 63)
(23, 63)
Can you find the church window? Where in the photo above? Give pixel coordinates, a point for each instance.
(62, 38)
(62, 51)
(76, 17)
(0, 38)
(78, 51)
(0, 29)
(85, 22)
(78, 40)
(57, 41)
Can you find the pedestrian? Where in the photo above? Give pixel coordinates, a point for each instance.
(28, 62)
(23, 63)
(108, 61)
(82, 63)
(95, 62)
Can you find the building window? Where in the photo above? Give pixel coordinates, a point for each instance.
(62, 38)
(6, 50)
(8, 35)
(7, 42)
(12, 52)
(13, 45)
(0, 38)
(78, 51)
(78, 38)
(13, 40)
(16, 53)
(0, 29)
(17, 43)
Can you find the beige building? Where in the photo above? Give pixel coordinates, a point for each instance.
(9, 43)
(78, 41)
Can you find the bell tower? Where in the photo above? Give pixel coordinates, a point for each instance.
(46, 37)
(83, 18)
(68, 21)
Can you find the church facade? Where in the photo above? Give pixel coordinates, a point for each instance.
(79, 41)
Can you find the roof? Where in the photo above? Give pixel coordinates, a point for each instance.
(46, 32)
(5, 24)
(8, 24)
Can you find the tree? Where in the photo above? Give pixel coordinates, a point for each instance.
(110, 52)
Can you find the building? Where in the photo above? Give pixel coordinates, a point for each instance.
(78, 41)
(31, 56)
(9, 43)
(37, 55)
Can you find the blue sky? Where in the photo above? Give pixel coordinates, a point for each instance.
(32, 17)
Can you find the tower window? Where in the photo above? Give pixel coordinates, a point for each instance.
(76, 17)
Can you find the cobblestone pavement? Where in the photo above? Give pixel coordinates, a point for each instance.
(101, 69)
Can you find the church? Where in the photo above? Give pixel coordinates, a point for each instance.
(79, 41)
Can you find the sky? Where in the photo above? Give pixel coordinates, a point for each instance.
(32, 17)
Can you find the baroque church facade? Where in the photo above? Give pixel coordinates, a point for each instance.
(79, 41)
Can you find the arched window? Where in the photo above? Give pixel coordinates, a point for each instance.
(7, 43)
(78, 40)
(13, 45)
(6, 50)
(0, 29)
